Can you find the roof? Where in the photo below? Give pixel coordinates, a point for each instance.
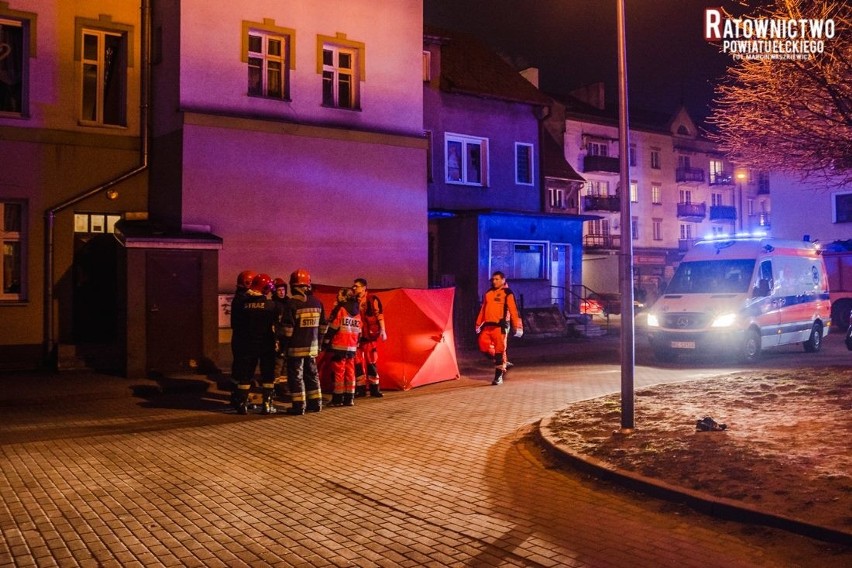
(553, 160)
(469, 67)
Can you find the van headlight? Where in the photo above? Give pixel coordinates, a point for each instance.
(724, 320)
(653, 321)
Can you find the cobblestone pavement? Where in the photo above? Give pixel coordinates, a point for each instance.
(105, 471)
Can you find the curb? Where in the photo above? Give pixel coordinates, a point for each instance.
(700, 501)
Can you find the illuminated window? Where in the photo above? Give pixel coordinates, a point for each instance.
(597, 188)
(13, 239)
(634, 192)
(655, 159)
(15, 41)
(515, 259)
(523, 164)
(556, 197)
(95, 223)
(103, 61)
(466, 160)
(656, 194)
(341, 63)
(268, 57)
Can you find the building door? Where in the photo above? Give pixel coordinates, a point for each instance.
(95, 308)
(173, 306)
(560, 274)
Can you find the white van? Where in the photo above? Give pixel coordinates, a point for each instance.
(742, 295)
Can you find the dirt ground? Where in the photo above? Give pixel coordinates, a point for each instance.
(787, 448)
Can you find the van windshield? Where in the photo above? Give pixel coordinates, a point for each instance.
(712, 277)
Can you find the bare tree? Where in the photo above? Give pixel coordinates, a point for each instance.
(792, 115)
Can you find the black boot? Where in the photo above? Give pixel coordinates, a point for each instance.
(499, 374)
(268, 407)
(349, 399)
(360, 390)
(297, 409)
(375, 391)
(314, 405)
(336, 400)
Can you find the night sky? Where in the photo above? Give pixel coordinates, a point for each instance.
(574, 42)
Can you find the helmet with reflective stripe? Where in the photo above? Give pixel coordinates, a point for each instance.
(244, 279)
(261, 283)
(301, 277)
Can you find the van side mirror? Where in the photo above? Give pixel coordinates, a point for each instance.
(762, 288)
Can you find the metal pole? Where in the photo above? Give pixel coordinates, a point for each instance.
(625, 267)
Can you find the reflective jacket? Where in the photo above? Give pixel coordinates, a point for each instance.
(303, 323)
(344, 327)
(499, 309)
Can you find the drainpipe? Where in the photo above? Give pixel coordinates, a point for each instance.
(50, 214)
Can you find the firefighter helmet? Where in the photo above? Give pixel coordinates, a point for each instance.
(300, 278)
(261, 283)
(244, 279)
(279, 283)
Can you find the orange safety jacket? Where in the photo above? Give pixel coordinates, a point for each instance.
(372, 316)
(344, 329)
(499, 309)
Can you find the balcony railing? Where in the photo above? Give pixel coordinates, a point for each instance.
(607, 164)
(723, 213)
(721, 178)
(602, 241)
(691, 211)
(684, 245)
(761, 220)
(601, 203)
(689, 175)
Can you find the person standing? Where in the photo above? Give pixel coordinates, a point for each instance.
(261, 317)
(344, 331)
(372, 329)
(303, 324)
(498, 313)
(238, 332)
(279, 296)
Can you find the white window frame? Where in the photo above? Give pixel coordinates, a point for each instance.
(717, 169)
(597, 148)
(99, 64)
(8, 239)
(528, 162)
(512, 272)
(656, 194)
(265, 61)
(556, 197)
(685, 196)
(634, 192)
(336, 73)
(716, 199)
(655, 159)
(657, 228)
(686, 232)
(465, 147)
(597, 188)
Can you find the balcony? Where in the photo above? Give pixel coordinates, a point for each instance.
(601, 203)
(602, 242)
(721, 178)
(761, 220)
(689, 175)
(723, 213)
(684, 245)
(694, 212)
(605, 164)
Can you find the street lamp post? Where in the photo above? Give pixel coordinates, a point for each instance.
(741, 177)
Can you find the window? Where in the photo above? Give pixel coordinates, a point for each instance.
(15, 52)
(523, 164)
(717, 173)
(103, 61)
(524, 260)
(750, 206)
(467, 160)
(634, 192)
(685, 196)
(12, 235)
(656, 194)
(342, 67)
(683, 162)
(841, 207)
(631, 155)
(556, 197)
(716, 199)
(597, 188)
(686, 232)
(634, 228)
(427, 66)
(657, 228)
(598, 227)
(95, 223)
(655, 159)
(268, 52)
(597, 148)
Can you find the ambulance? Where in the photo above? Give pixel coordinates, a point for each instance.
(739, 296)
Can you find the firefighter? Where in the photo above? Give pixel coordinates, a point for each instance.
(344, 330)
(303, 325)
(261, 318)
(372, 328)
(238, 333)
(498, 313)
(279, 295)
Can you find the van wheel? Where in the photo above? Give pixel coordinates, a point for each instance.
(814, 342)
(750, 350)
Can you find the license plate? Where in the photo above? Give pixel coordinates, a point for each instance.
(683, 345)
